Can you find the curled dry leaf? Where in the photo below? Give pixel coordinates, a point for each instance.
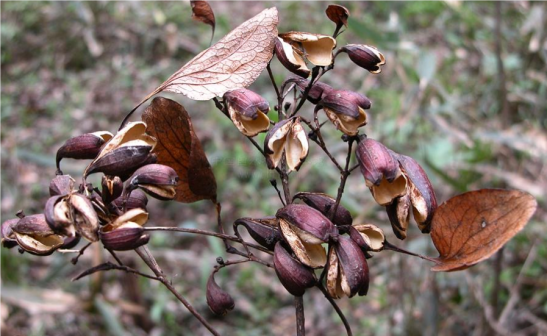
(202, 11)
(179, 148)
(472, 226)
(233, 62)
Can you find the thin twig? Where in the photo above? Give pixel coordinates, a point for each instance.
(300, 317)
(273, 80)
(206, 233)
(335, 306)
(108, 266)
(74, 260)
(343, 178)
(150, 261)
(388, 246)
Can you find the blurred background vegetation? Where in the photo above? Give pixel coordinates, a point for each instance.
(466, 99)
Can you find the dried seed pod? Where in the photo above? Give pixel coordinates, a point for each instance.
(305, 229)
(137, 215)
(380, 170)
(156, 180)
(325, 204)
(58, 215)
(293, 275)
(317, 91)
(248, 111)
(265, 231)
(8, 236)
(70, 242)
(218, 300)
(61, 185)
(127, 236)
(121, 161)
(317, 48)
(399, 215)
(372, 237)
(112, 188)
(420, 190)
(128, 150)
(289, 139)
(84, 217)
(82, 147)
(365, 56)
(347, 273)
(338, 14)
(137, 200)
(35, 236)
(314, 226)
(291, 58)
(346, 110)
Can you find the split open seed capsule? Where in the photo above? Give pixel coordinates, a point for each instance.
(8, 236)
(82, 147)
(35, 236)
(367, 57)
(305, 230)
(292, 274)
(325, 204)
(128, 150)
(265, 231)
(157, 180)
(380, 170)
(248, 111)
(61, 185)
(286, 139)
(291, 58)
(317, 48)
(346, 110)
(347, 272)
(420, 191)
(399, 215)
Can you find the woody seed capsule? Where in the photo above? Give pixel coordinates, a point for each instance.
(157, 180)
(365, 56)
(346, 110)
(8, 237)
(248, 111)
(292, 274)
(325, 204)
(380, 170)
(82, 147)
(265, 231)
(219, 301)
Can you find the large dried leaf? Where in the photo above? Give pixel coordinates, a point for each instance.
(179, 148)
(472, 226)
(233, 62)
(202, 11)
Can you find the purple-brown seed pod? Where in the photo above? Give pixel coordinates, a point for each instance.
(292, 274)
(218, 300)
(325, 204)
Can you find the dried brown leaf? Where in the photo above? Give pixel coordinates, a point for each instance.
(472, 226)
(202, 11)
(179, 148)
(233, 62)
(338, 14)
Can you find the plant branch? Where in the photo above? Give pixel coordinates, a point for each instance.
(388, 246)
(300, 316)
(107, 266)
(150, 261)
(335, 306)
(207, 233)
(343, 178)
